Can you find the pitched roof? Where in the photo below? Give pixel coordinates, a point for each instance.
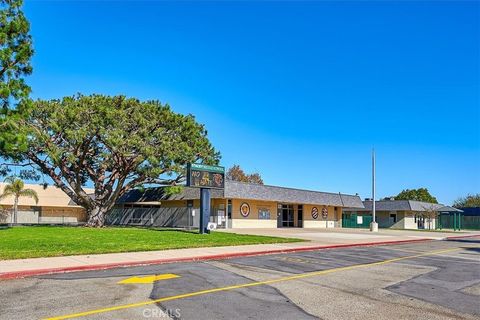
(399, 205)
(240, 190)
(449, 209)
(50, 196)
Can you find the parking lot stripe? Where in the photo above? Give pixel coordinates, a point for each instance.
(246, 285)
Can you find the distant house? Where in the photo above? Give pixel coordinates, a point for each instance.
(401, 214)
(54, 207)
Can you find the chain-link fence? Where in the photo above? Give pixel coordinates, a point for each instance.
(32, 217)
(458, 221)
(175, 217)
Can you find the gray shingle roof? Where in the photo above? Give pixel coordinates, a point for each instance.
(399, 205)
(448, 209)
(240, 190)
(423, 206)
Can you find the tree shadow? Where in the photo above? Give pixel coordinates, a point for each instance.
(170, 229)
(464, 240)
(477, 250)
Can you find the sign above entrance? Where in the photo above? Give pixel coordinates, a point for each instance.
(205, 176)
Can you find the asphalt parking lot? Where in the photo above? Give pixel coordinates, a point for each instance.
(424, 280)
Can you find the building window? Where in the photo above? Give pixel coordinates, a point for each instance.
(393, 217)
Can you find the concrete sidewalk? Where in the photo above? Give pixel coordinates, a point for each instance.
(347, 235)
(316, 240)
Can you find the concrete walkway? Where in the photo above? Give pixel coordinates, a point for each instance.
(344, 235)
(317, 239)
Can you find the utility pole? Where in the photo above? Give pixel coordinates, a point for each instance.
(374, 224)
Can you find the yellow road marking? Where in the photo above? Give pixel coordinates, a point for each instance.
(149, 279)
(245, 285)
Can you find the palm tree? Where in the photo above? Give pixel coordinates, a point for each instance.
(16, 188)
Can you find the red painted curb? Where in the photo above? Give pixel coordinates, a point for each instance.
(38, 272)
(461, 237)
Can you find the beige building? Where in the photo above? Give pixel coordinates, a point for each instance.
(54, 206)
(399, 214)
(239, 205)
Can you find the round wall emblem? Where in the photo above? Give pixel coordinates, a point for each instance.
(314, 212)
(245, 209)
(324, 213)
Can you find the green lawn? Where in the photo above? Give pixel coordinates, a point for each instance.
(49, 241)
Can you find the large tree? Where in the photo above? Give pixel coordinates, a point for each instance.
(236, 173)
(116, 143)
(471, 200)
(15, 54)
(420, 194)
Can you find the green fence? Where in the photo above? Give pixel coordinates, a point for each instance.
(458, 222)
(351, 220)
(471, 222)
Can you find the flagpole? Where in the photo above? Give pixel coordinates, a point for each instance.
(374, 224)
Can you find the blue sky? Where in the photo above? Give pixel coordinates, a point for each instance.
(299, 91)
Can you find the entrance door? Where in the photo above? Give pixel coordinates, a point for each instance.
(421, 222)
(287, 215)
(300, 216)
(279, 216)
(392, 219)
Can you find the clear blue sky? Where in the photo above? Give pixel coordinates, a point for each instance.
(297, 91)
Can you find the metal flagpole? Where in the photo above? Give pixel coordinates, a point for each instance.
(373, 225)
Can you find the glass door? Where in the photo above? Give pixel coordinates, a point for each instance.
(288, 215)
(279, 216)
(300, 216)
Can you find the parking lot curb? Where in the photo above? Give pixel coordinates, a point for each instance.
(39, 272)
(461, 237)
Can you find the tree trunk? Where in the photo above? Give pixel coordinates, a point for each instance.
(15, 210)
(96, 217)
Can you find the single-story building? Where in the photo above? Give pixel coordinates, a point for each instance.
(399, 214)
(54, 206)
(239, 205)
